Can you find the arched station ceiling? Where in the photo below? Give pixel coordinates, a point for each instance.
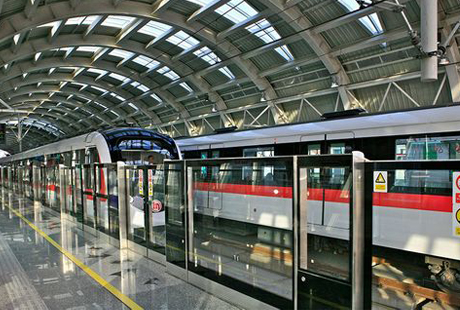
(189, 67)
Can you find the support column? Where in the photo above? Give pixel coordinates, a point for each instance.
(429, 36)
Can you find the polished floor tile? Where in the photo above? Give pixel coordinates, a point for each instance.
(42, 277)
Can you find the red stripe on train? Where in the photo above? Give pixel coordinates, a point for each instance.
(393, 200)
(413, 201)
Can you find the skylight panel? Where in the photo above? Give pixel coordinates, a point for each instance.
(146, 61)
(16, 38)
(100, 104)
(117, 97)
(117, 21)
(117, 76)
(166, 71)
(183, 40)
(114, 113)
(89, 49)
(133, 106)
(226, 71)
(267, 33)
(97, 71)
(154, 96)
(75, 20)
(207, 55)
(285, 52)
(200, 2)
(236, 10)
(264, 31)
(371, 22)
(186, 87)
(121, 53)
(102, 90)
(90, 19)
(154, 29)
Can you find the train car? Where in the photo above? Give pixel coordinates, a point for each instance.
(411, 222)
(134, 146)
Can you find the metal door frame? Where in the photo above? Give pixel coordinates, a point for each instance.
(360, 232)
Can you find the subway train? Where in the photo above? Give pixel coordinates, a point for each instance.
(412, 221)
(133, 146)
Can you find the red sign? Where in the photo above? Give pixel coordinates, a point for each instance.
(157, 206)
(457, 198)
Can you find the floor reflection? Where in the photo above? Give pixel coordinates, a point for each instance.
(63, 285)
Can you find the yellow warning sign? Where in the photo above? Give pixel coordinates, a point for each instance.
(458, 216)
(380, 181)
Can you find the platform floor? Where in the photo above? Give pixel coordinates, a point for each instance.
(35, 274)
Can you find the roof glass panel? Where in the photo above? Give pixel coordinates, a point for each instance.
(226, 71)
(90, 49)
(200, 2)
(154, 29)
(263, 30)
(117, 21)
(166, 71)
(237, 11)
(146, 61)
(121, 53)
(207, 55)
(117, 76)
(133, 106)
(186, 87)
(371, 22)
(267, 33)
(102, 90)
(285, 52)
(154, 96)
(183, 40)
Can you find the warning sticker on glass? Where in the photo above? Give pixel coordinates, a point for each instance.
(380, 181)
(141, 182)
(456, 204)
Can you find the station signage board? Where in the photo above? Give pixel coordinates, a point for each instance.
(456, 204)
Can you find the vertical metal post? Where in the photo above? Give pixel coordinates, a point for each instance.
(295, 227)
(122, 205)
(62, 191)
(358, 237)
(429, 39)
(190, 232)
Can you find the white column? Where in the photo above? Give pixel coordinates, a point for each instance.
(429, 38)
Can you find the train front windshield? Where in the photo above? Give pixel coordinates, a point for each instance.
(140, 147)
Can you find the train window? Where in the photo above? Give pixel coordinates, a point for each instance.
(314, 149)
(259, 152)
(337, 148)
(91, 155)
(431, 148)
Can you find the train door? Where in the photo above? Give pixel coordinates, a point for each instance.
(146, 216)
(89, 214)
(78, 177)
(101, 199)
(68, 190)
(113, 202)
(330, 260)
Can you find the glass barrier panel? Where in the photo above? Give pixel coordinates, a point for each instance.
(102, 203)
(241, 226)
(175, 213)
(88, 196)
(78, 193)
(415, 244)
(155, 203)
(114, 229)
(136, 205)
